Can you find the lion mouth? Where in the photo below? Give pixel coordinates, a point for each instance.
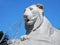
(27, 20)
(30, 21)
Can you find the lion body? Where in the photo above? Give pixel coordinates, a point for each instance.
(46, 34)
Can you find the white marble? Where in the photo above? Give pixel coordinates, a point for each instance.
(45, 34)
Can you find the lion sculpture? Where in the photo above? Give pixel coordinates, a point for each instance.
(39, 30)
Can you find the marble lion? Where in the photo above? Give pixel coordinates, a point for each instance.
(39, 31)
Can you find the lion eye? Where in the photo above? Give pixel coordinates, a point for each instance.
(31, 8)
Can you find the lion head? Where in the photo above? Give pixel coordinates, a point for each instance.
(33, 16)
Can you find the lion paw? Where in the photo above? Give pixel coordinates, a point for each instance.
(24, 37)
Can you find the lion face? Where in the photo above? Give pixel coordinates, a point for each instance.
(31, 13)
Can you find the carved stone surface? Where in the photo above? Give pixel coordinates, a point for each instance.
(39, 30)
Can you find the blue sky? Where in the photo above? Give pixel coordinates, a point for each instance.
(11, 11)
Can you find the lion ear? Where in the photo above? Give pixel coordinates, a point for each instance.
(40, 6)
